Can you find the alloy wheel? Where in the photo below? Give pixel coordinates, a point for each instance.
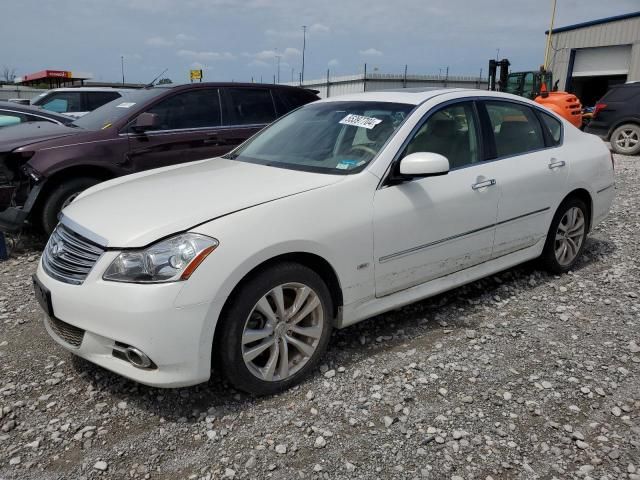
(569, 236)
(282, 332)
(627, 139)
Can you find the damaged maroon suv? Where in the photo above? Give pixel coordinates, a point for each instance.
(44, 166)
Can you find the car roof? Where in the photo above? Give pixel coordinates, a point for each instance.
(416, 96)
(17, 107)
(233, 84)
(90, 89)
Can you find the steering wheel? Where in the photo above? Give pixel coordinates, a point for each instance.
(363, 148)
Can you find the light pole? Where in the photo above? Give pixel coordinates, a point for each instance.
(122, 67)
(548, 46)
(278, 57)
(304, 47)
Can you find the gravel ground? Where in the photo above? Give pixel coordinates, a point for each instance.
(521, 375)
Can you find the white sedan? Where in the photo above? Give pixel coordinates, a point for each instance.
(341, 210)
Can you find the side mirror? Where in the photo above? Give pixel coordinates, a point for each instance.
(146, 121)
(424, 164)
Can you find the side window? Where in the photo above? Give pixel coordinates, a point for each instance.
(97, 99)
(515, 128)
(62, 102)
(553, 126)
(198, 108)
(450, 132)
(252, 105)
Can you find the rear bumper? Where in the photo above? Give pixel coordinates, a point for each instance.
(599, 130)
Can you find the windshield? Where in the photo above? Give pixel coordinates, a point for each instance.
(332, 137)
(108, 114)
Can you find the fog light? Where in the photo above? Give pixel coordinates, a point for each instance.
(133, 355)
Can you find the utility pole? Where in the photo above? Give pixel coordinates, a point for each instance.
(446, 77)
(122, 67)
(278, 57)
(364, 80)
(327, 83)
(548, 47)
(304, 48)
(291, 74)
(404, 83)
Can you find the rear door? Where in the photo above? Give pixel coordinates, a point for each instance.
(533, 168)
(247, 111)
(190, 129)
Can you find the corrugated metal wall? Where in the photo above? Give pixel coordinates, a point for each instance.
(619, 32)
(381, 81)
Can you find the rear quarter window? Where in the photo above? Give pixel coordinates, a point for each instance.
(553, 127)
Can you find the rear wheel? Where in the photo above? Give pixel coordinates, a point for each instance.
(60, 197)
(275, 330)
(626, 139)
(566, 237)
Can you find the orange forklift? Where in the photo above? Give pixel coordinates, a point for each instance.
(535, 84)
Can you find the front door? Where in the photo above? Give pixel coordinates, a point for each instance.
(430, 227)
(190, 129)
(533, 173)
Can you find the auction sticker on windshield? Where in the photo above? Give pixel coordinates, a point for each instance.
(360, 121)
(126, 105)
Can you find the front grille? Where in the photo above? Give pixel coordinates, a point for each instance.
(69, 257)
(70, 334)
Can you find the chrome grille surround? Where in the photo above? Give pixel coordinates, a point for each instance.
(69, 257)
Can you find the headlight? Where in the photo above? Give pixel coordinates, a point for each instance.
(169, 260)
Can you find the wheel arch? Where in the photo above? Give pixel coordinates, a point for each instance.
(311, 260)
(57, 178)
(584, 195)
(620, 122)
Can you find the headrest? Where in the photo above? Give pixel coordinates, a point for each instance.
(382, 130)
(515, 128)
(443, 128)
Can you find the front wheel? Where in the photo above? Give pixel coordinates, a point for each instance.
(566, 237)
(61, 197)
(275, 330)
(626, 139)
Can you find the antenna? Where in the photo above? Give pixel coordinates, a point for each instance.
(150, 84)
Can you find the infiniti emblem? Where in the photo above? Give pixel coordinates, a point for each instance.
(56, 248)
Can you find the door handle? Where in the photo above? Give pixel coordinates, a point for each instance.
(486, 183)
(556, 163)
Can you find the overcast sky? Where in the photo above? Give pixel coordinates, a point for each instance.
(239, 39)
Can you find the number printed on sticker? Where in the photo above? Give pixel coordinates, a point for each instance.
(360, 121)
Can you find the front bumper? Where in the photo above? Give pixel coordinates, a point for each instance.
(177, 339)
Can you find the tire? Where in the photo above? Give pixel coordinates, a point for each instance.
(60, 197)
(625, 139)
(245, 318)
(567, 230)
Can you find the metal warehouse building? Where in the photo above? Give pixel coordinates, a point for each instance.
(587, 58)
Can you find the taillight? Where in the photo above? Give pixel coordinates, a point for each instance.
(598, 107)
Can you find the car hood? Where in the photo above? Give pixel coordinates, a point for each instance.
(17, 136)
(137, 210)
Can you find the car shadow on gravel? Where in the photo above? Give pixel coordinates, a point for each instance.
(431, 319)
